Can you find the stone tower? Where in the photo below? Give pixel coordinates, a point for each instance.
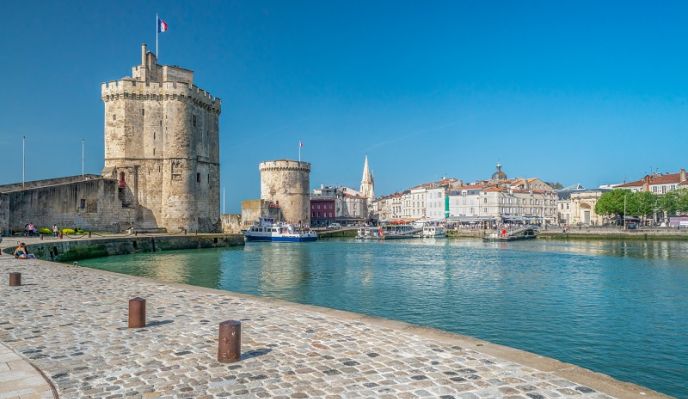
(162, 145)
(287, 184)
(367, 183)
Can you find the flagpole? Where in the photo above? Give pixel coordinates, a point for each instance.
(82, 158)
(156, 35)
(299, 151)
(23, 163)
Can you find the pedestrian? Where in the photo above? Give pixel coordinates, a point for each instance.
(56, 231)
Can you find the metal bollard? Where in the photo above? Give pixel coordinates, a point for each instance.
(15, 279)
(137, 313)
(229, 346)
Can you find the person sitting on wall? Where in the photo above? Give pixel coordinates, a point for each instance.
(22, 252)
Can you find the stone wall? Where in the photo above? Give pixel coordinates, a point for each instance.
(287, 184)
(231, 223)
(4, 214)
(72, 250)
(91, 204)
(45, 182)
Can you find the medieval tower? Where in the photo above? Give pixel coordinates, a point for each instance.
(162, 145)
(287, 184)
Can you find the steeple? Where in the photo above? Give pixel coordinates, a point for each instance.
(367, 183)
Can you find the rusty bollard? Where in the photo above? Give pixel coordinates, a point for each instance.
(137, 313)
(229, 347)
(15, 279)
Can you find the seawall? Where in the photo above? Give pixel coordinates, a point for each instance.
(68, 250)
(613, 235)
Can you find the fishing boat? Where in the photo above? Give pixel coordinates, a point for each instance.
(388, 232)
(267, 229)
(430, 231)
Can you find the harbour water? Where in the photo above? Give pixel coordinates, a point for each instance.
(620, 308)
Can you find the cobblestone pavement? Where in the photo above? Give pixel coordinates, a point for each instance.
(71, 322)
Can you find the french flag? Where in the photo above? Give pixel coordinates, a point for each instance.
(162, 25)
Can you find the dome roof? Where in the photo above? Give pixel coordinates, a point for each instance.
(499, 174)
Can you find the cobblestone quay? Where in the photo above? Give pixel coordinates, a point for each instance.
(71, 323)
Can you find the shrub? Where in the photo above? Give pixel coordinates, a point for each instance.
(45, 230)
(68, 231)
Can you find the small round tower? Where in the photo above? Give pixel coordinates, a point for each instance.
(287, 184)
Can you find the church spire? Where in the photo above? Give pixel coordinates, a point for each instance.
(367, 183)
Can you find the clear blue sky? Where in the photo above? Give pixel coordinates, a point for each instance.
(587, 92)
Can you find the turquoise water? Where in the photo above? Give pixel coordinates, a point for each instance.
(620, 308)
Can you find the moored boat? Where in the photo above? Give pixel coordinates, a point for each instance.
(268, 230)
(430, 231)
(526, 233)
(388, 232)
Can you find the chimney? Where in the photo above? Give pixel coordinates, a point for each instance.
(682, 175)
(144, 50)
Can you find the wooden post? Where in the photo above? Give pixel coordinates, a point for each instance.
(229, 346)
(15, 279)
(137, 313)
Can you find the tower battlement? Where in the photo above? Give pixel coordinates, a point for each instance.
(285, 164)
(137, 90)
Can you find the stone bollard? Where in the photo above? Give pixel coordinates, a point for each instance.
(89, 234)
(137, 313)
(41, 236)
(229, 347)
(15, 279)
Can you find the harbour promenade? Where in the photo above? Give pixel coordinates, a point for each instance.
(71, 324)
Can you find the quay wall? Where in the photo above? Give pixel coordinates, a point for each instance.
(71, 250)
(344, 233)
(586, 234)
(614, 235)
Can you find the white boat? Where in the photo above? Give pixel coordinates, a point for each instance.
(388, 232)
(433, 232)
(267, 229)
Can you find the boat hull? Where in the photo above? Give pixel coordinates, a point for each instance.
(279, 239)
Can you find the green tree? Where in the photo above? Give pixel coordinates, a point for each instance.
(669, 202)
(682, 200)
(641, 203)
(611, 203)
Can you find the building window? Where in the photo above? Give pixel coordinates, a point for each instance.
(114, 117)
(82, 203)
(208, 178)
(143, 112)
(193, 120)
(198, 177)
